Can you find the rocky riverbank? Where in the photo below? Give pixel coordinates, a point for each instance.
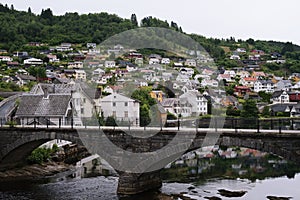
(34, 172)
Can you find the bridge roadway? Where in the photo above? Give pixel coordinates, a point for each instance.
(18, 142)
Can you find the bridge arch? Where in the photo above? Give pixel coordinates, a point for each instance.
(17, 143)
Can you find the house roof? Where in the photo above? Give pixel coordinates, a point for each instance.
(36, 105)
(287, 107)
(26, 77)
(115, 97)
(277, 94)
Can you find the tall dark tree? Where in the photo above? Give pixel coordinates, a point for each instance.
(288, 47)
(134, 20)
(12, 7)
(174, 25)
(47, 15)
(250, 41)
(29, 10)
(249, 109)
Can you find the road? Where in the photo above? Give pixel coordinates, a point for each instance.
(7, 107)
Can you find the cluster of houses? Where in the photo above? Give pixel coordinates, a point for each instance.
(64, 97)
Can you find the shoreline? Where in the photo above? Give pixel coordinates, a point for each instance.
(35, 172)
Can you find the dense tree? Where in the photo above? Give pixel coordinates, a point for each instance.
(249, 109)
(110, 121)
(288, 47)
(38, 72)
(250, 41)
(265, 96)
(134, 20)
(231, 111)
(145, 103)
(154, 22)
(266, 112)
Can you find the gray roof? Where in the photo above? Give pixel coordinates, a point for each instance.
(282, 107)
(26, 77)
(277, 94)
(37, 105)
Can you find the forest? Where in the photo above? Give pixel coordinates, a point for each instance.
(18, 28)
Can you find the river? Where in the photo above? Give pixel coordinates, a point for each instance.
(104, 188)
(279, 179)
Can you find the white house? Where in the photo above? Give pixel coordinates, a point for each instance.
(177, 106)
(264, 85)
(198, 102)
(182, 78)
(75, 65)
(202, 76)
(108, 89)
(209, 83)
(51, 109)
(207, 72)
(80, 75)
(64, 47)
(53, 58)
(241, 50)
(226, 77)
(284, 85)
(98, 72)
(280, 97)
(110, 64)
(235, 57)
(5, 59)
(84, 98)
(121, 108)
(248, 81)
(91, 45)
(243, 74)
(297, 85)
(230, 72)
(165, 61)
(33, 61)
(190, 62)
(131, 68)
(187, 71)
(153, 61)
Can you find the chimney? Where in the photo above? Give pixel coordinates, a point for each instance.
(46, 95)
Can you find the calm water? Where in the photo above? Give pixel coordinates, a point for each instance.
(104, 188)
(192, 174)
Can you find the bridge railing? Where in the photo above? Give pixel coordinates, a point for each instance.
(234, 124)
(277, 124)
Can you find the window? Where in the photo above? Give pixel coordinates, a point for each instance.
(126, 103)
(82, 110)
(83, 100)
(114, 114)
(114, 104)
(126, 114)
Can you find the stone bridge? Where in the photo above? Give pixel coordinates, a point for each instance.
(16, 144)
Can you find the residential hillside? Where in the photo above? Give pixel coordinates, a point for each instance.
(242, 78)
(18, 28)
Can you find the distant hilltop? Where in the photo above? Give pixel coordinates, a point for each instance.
(18, 28)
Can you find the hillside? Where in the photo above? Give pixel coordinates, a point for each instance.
(18, 28)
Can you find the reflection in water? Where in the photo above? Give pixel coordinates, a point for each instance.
(199, 178)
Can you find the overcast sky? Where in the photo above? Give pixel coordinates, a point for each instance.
(258, 19)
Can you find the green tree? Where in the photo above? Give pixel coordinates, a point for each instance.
(265, 96)
(288, 47)
(231, 111)
(110, 121)
(266, 112)
(144, 115)
(133, 20)
(249, 109)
